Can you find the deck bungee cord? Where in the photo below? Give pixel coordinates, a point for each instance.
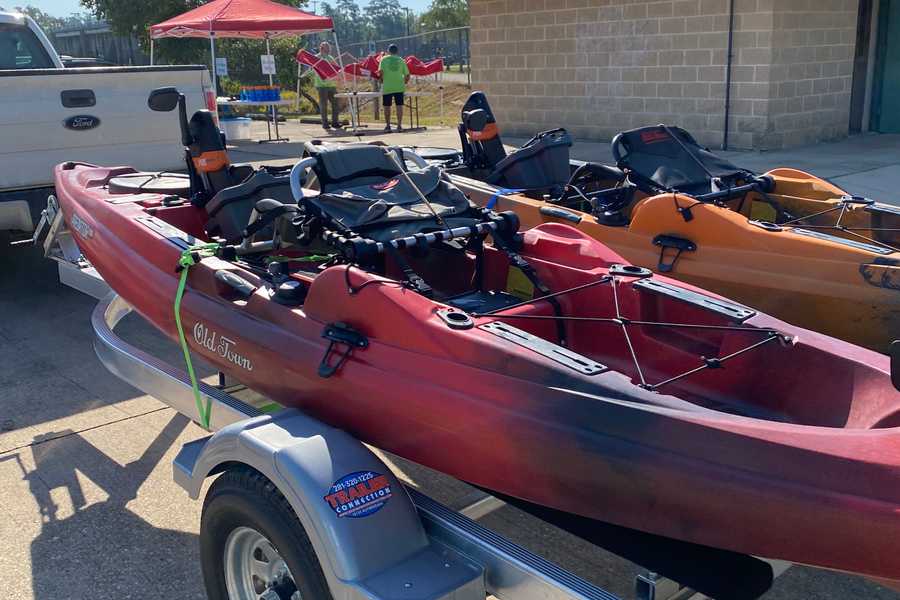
(852, 231)
(625, 322)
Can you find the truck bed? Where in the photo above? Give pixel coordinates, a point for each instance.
(96, 115)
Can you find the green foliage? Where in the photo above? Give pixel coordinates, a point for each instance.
(349, 21)
(46, 22)
(244, 64)
(444, 14)
(128, 17)
(49, 22)
(387, 19)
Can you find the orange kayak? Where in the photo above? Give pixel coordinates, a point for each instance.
(787, 242)
(842, 287)
(663, 158)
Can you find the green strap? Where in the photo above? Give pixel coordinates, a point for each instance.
(189, 258)
(310, 258)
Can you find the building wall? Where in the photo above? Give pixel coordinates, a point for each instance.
(600, 66)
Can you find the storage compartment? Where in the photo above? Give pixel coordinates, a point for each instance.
(543, 162)
(176, 184)
(236, 128)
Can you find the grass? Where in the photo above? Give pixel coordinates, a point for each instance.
(455, 95)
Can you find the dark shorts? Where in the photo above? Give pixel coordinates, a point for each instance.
(388, 99)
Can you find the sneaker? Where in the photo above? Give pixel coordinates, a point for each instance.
(326, 126)
(387, 129)
(399, 128)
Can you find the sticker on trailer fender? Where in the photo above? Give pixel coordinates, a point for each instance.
(359, 494)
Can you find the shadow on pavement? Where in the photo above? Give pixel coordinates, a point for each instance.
(104, 549)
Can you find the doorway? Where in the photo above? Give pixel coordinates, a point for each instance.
(886, 80)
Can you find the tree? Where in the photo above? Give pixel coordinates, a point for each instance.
(128, 17)
(444, 14)
(243, 61)
(349, 21)
(387, 18)
(46, 22)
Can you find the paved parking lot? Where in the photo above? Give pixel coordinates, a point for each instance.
(90, 508)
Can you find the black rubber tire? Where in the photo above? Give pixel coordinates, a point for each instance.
(243, 497)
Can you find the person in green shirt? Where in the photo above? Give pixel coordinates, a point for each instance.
(327, 90)
(394, 77)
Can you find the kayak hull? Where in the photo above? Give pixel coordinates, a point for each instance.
(825, 492)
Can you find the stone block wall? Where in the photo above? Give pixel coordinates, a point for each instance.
(600, 66)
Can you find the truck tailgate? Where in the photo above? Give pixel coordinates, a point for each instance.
(117, 127)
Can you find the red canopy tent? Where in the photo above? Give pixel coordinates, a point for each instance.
(254, 19)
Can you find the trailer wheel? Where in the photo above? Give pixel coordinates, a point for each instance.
(252, 546)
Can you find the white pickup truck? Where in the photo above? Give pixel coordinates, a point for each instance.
(50, 114)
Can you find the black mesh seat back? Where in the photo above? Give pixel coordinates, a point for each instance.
(543, 162)
(354, 197)
(352, 164)
(655, 158)
(230, 210)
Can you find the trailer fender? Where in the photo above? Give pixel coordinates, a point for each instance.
(358, 516)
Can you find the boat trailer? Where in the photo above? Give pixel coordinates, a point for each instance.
(372, 537)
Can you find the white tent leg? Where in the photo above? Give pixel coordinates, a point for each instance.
(212, 54)
(151, 52)
(297, 102)
(354, 118)
(274, 115)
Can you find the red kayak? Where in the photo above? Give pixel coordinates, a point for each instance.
(540, 366)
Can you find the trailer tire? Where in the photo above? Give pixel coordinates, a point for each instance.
(243, 499)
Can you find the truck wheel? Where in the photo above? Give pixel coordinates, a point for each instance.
(252, 546)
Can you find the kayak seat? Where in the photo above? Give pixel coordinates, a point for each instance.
(541, 163)
(230, 210)
(662, 158)
(364, 191)
(479, 135)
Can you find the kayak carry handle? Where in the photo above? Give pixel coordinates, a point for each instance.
(666, 242)
(340, 333)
